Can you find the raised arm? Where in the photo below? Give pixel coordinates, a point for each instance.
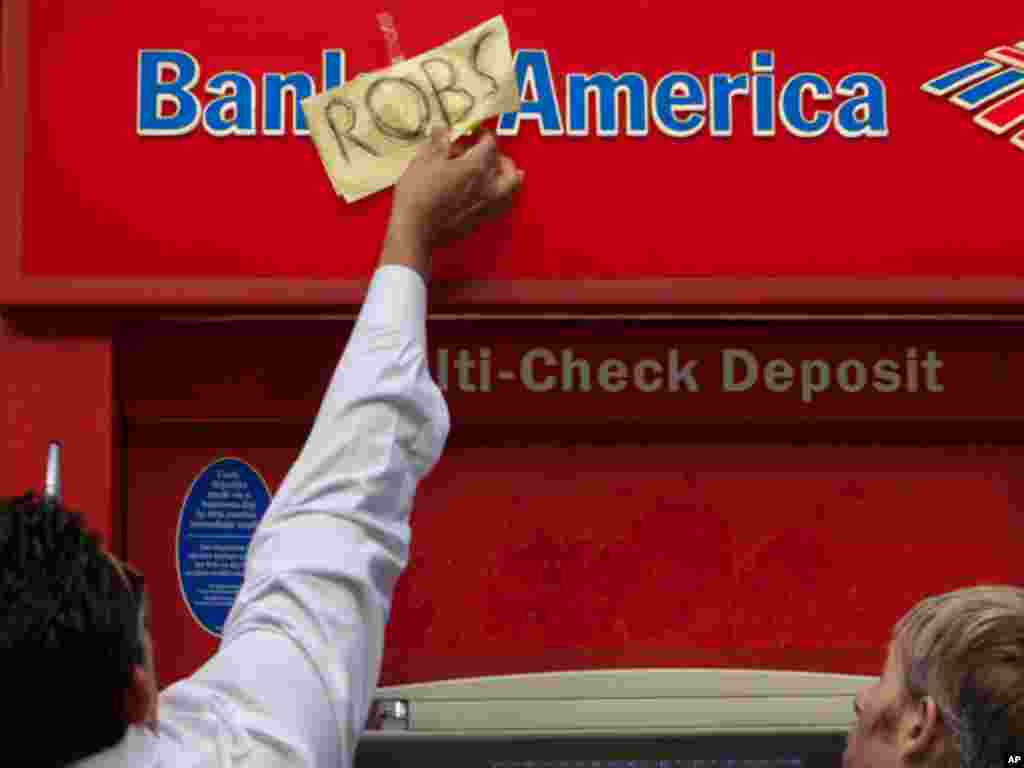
(294, 676)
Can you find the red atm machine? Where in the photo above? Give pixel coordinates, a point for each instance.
(732, 387)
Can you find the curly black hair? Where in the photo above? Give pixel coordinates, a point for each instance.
(69, 634)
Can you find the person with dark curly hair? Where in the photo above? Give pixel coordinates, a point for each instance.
(293, 679)
(73, 629)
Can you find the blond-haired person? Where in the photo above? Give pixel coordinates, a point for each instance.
(951, 694)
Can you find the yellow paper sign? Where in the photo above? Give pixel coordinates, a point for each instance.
(368, 130)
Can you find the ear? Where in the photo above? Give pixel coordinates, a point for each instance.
(139, 697)
(921, 729)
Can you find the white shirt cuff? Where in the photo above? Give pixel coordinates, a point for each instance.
(397, 296)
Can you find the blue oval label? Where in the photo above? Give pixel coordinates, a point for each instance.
(223, 506)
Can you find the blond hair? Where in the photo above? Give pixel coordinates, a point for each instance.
(965, 649)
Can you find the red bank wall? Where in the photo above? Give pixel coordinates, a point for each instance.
(544, 545)
(554, 534)
(61, 387)
(549, 545)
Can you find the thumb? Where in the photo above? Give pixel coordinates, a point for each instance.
(439, 143)
(483, 154)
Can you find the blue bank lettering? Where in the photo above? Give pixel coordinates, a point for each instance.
(864, 113)
(723, 89)
(172, 100)
(679, 92)
(156, 90)
(233, 113)
(792, 108)
(276, 88)
(537, 95)
(606, 90)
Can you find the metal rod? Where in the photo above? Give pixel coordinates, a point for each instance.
(53, 489)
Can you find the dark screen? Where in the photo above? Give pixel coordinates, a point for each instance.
(715, 751)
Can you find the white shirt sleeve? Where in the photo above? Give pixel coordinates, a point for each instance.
(293, 679)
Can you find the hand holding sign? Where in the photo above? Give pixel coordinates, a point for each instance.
(445, 193)
(368, 130)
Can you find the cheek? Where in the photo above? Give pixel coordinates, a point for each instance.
(867, 722)
(883, 722)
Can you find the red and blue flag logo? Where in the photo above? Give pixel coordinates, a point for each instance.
(993, 87)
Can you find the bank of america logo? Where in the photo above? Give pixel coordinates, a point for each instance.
(994, 84)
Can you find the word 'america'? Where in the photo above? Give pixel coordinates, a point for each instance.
(680, 105)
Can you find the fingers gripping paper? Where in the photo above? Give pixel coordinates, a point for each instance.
(368, 130)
